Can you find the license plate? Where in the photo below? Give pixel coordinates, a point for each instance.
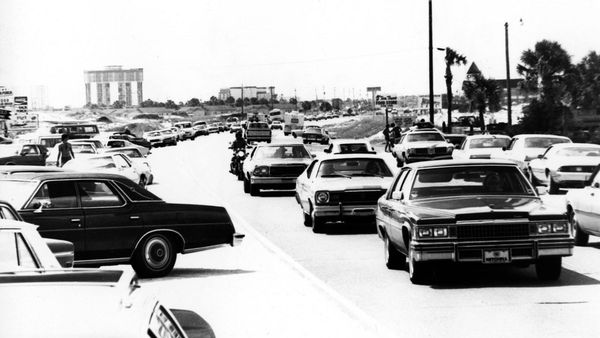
(495, 256)
(431, 151)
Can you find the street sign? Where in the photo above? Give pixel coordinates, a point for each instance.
(373, 89)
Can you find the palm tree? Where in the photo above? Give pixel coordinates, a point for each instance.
(452, 58)
(483, 94)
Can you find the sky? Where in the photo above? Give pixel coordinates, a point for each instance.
(308, 48)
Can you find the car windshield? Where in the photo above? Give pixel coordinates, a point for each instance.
(350, 167)
(492, 142)
(89, 163)
(258, 125)
(284, 151)
(418, 137)
(348, 148)
(579, 151)
(313, 130)
(16, 192)
(83, 148)
(469, 180)
(133, 153)
(543, 142)
(153, 134)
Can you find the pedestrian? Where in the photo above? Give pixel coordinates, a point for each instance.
(65, 151)
(395, 134)
(386, 136)
(444, 127)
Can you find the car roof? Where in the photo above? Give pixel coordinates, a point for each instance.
(6, 224)
(28, 168)
(62, 175)
(350, 156)
(116, 150)
(279, 144)
(454, 163)
(569, 145)
(470, 137)
(541, 135)
(348, 140)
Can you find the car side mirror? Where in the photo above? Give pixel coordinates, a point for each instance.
(327, 150)
(541, 190)
(540, 156)
(596, 185)
(313, 155)
(43, 204)
(398, 195)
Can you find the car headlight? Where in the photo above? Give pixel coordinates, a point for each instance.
(412, 150)
(428, 232)
(449, 149)
(548, 228)
(424, 232)
(261, 171)
(440, 232)
(322, 197)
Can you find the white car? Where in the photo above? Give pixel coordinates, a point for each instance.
(139, 160)
(189, 133)
(349, 146)
(340, 188)
(118, 163)
(97, 143)
(565, 165)
(180, 134)
(80, 150)
(422, 145)
(162, 137)
(213, 128)
(115, 144)
(526, 147)
(583, 209)
(274, 166)
(481, 147)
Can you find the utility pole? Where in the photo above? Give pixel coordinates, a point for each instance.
(508, 93)
(431, 111)
(243, 100)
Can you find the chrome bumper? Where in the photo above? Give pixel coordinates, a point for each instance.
(568, 177)
(237, 239)
(273, 180)
(417, 158)
(345, 210)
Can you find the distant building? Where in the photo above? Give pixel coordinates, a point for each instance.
(248, 92)
(518, 95)
(104, 87)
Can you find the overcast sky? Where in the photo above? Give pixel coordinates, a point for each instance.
(193, 48)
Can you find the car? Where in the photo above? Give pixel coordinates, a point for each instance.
(6, 170)
(456, 139)
(526, 147)
(139, 141)
(583, 209)
(421, 144)
(155, 137)
(200, 128)
(170, 137)
(258, 132)
(97, 143)
(80, 150)
(61, 250)
(112, 220)
(481, 147)
(564, 165)
(62, 298)
(138, 159)
(213, 128)
(469, 211)
(222, 126)
(116, 144)
(187, 129)
(299, 132)
(274, 166)
(113, 163)
(235, 127)
(180, 133)
(315, 134)
(277, 125)
(23, 154)
(349, 146)
(342, 188)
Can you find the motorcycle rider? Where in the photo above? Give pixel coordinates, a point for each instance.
(237, 145)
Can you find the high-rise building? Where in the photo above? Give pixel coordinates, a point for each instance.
(104, 87)
(248, 92)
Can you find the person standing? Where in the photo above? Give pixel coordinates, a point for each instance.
(395, 134)
(65, 151)
(386, 136)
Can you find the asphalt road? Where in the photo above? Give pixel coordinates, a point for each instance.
(465, 301)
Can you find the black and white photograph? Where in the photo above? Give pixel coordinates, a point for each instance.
(299, 168)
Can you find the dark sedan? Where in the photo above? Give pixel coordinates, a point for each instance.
(477, 211)
(140, 141)
(315, 134)
(23, 154)
(111, 220)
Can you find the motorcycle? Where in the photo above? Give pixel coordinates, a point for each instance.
(237, 163)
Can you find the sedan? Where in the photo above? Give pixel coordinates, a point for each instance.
(526, 147)
(23, 154)
(583, 208)
(139, 161)
(475, 211)
(481, 147)
(315, 134)
(342, 188)
(117, 163)
(81, 151)
(112, 144)
(566, 165)
(112, 220)
(274, 166)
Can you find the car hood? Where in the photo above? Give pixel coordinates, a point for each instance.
(282, 161)
(575, 160)
(493, 152)
(354, 183)
(458, 208)
(428, 144)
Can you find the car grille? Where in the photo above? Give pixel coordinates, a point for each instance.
(577, 169)
(287, 170)
(356, 197)
(491, 231)
(425, 151)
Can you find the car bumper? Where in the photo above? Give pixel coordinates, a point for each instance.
(340, 212)
(518, 250)
(419, 158)
(571, 180)
(237, 239)
(274, 182)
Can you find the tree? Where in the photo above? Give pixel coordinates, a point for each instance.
(293, 100)
(263, 101)
(238, 102)
(213, 100)
(306, 105)
(171, 105)
(118, 104)
(325, 106)
(254, 100)
(336, 104)
(230, 100)
(483, 94)
(452, 58)
(588, 71)
(193, 102)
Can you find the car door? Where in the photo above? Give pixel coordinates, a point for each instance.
(55, 208)
(389, 208)
(112, 225)
(305, 182)
(397, 216)
(30, 155)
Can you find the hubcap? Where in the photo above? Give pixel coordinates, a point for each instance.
(156, 253)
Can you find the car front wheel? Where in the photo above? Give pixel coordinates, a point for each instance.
(548, 268)
(246, 186)
(254, 190)
(393, 258)
(552, 186)
(581, 238)
(155, 257)
(143, 181)
(318, 225)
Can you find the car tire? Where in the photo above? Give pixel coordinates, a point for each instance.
(581, 238)
(548, 268)
(399, 162)
(394, 259)
(254, 190)
(155, 257)
(418, 272)
(143, 181)
(246, 186)
(534, 181)
(307, 220)
(552, 187)
(318, 225)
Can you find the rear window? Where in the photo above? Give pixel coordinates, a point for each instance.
(354, 167)
(259, 125)
(543, 142)
(418, 137)
(136, 193)
(353, 148)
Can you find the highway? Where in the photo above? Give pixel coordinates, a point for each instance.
(465, 301)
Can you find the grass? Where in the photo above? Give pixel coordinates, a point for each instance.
(361, 128)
